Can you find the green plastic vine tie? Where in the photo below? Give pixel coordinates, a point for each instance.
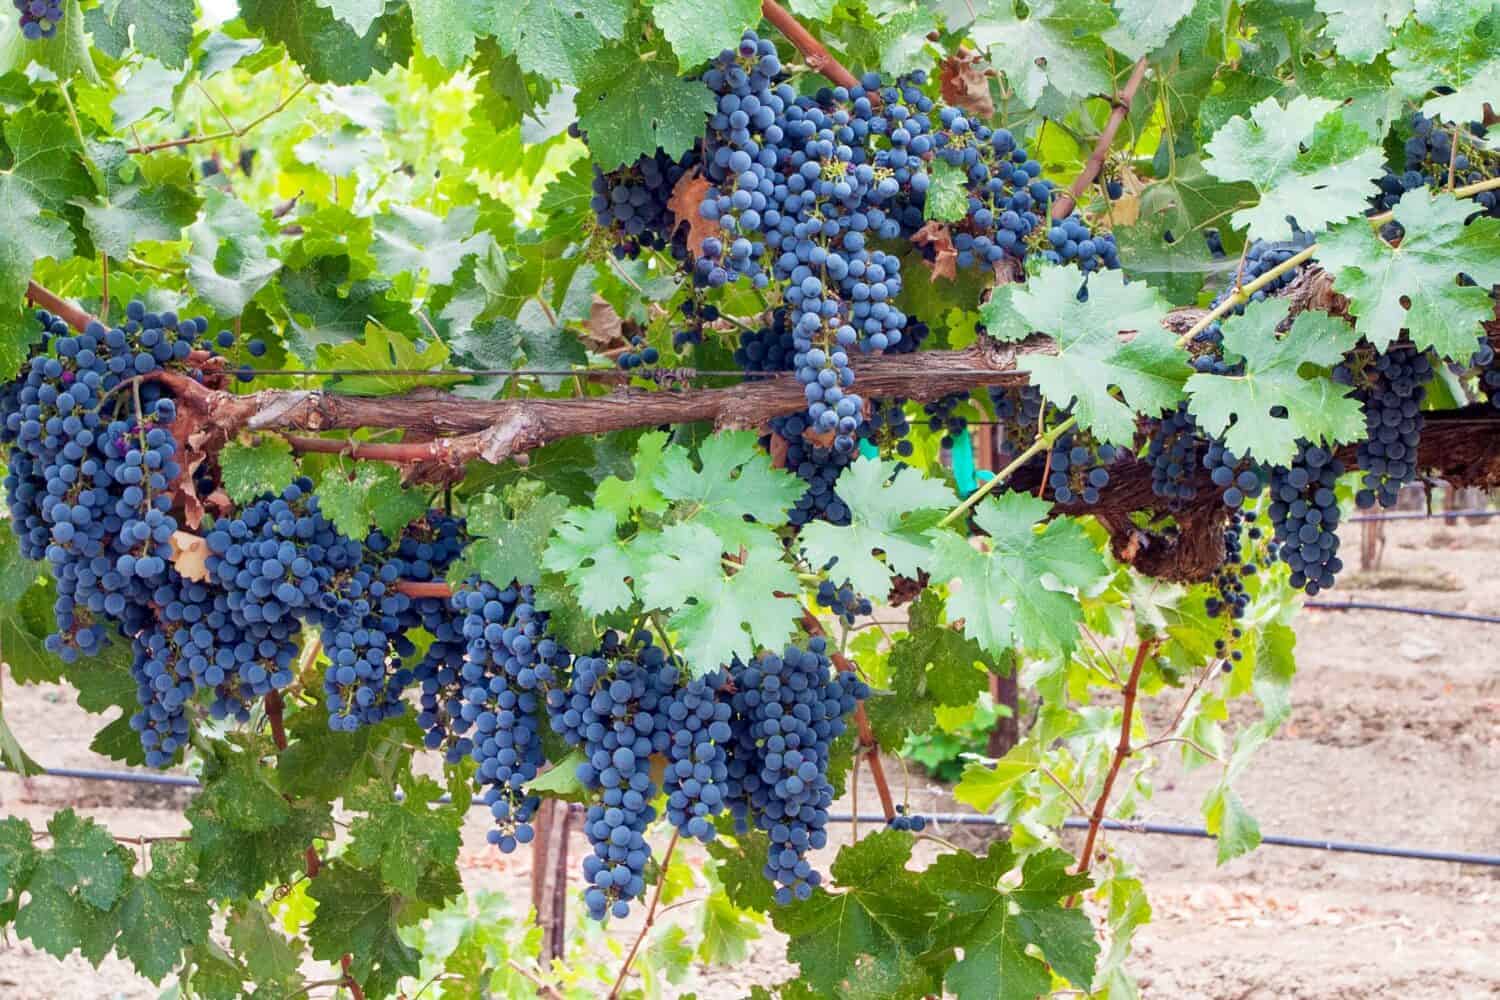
(963, 462)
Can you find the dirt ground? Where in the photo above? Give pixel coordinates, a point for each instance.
(1394, 739)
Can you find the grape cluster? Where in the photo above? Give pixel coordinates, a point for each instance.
(911, 824)
(1390, 386)
(1429, 155)
(1489, 371)
(791, 708)
(511, 663)
(631, 203)
(843, 601)
(639, 353)
(943, 417)
(801, 185)
(1304, 513)
(39, 18)
(1071, 241)
(92, 468)
(695, 315)
(1261, 257)
(612, 711)
(696, 778)
(1079, 467)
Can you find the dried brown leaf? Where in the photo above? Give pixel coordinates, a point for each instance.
(190, 555)
(687, 196)
(944, 263)
(965, 85)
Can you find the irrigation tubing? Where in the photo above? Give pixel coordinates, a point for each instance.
(1423, 515)
(1198, 832)
(959, 819)
(1461, 616)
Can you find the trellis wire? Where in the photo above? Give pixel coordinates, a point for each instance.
(957, 819)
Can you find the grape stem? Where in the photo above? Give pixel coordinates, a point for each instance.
(1063, 206)
(1122, 752)
(819, 59)
(230, 133)
(661, 882)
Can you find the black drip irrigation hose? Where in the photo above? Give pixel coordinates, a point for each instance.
(1423, 515)
(1462, 616)
(1198, 832)
(956, 819)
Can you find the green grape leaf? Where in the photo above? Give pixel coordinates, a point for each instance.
(359, 915)
(1145, 25)
(411, 241)
(47, 159)
(248, 471)
(96, 866)
(1006, 599)
(269, 956)
(230, 260)
(357, 14)
(327, 48)
(219, 52)
(328, 309)
(1237, 408)
(1055, 45)
(996, 928)
(388, 355)
(587, 550)
(560, 781)
(370, 493)
(953, 669)
(727, 929)
(1450, 48)
(1413, 287)
(736, 482)
(402, 840)
(73, 890)
(246, 833)
(162, 29)
(640, 109)
(699, 31)
(1360, 29)
(27, 618)
(1230, 822)
(447, 29)
(164, 913)
(559, 39)
(1303, 161)
(1468, 102)
(947, 194)
(339, 152)
(18, 855)
(511, 546)
(865, 940)
(621, 496)
(741, 860)
(136, 211)
(1092, 363)
(1181, 205)
(890, 509)
(149, 89)
(26, 236)
(982, 785)
(720, 615)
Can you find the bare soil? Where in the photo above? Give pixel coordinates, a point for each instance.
(1394, 739)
